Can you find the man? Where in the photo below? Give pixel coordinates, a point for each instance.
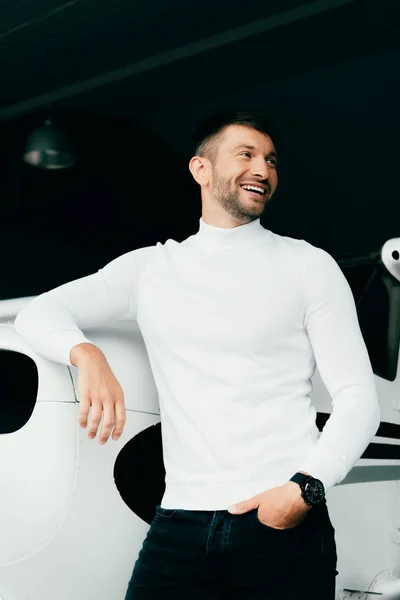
(235, 320)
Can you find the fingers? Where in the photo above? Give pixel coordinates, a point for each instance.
(95, 419)
(84, 407)
(114, 417)
(120, 420)
(108, 421)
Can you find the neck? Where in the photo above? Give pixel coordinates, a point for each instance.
(230, 240)
(223, 220)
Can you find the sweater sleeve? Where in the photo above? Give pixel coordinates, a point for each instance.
(52, 323)
(341, 356)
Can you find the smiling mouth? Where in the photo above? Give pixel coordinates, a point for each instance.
(254, 191)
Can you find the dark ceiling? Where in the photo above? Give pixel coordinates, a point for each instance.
(327, 72)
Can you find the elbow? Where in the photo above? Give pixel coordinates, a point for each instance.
(23, 325)
(375, 415)
(19, 322)
(24, 319)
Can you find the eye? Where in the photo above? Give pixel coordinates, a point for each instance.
(273, 161)
(245, 154)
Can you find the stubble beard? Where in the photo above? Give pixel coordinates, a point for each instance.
(231, 202)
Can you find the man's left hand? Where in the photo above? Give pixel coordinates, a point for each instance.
(280, 508)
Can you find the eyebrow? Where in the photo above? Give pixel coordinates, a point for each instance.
(272, 153)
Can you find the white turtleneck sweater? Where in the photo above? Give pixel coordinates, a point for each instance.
(235, 322)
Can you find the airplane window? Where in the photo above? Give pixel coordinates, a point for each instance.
(139, 473)
(19, 382)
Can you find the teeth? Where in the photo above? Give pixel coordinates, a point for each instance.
(252, 188)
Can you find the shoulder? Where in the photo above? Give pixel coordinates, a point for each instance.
(293, 248)
(314, 263)
(136, 260)
(141, 258)
(308, 252)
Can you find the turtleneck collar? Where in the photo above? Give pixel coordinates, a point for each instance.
(237, 239)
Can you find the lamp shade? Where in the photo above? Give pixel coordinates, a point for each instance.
(49, 148)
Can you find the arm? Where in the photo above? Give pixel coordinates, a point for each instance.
(52, 322)
(341, 356)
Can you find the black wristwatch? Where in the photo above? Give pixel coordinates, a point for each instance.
(312, 490)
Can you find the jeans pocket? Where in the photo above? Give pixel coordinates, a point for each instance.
(289, 530)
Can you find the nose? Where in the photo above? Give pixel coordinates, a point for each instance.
(260, 169)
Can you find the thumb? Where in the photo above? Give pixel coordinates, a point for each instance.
(243, 507)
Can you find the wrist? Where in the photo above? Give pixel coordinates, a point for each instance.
(83, 352)
(297, 495)
(296, 487)
(311, 490)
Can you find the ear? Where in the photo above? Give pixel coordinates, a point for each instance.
(200, 170)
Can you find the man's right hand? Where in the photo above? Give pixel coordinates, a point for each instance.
(99, 390)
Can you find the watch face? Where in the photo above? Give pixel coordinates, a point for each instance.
(314, 491)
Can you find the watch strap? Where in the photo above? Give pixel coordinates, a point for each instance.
(300, 478)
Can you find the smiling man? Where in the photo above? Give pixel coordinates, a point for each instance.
(237, 172)
(235, 319)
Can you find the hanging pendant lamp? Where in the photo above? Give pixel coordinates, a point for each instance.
(49, 148)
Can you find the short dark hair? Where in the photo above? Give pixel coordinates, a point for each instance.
(207, 135)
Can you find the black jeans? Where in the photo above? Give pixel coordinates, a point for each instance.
(213, 555)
